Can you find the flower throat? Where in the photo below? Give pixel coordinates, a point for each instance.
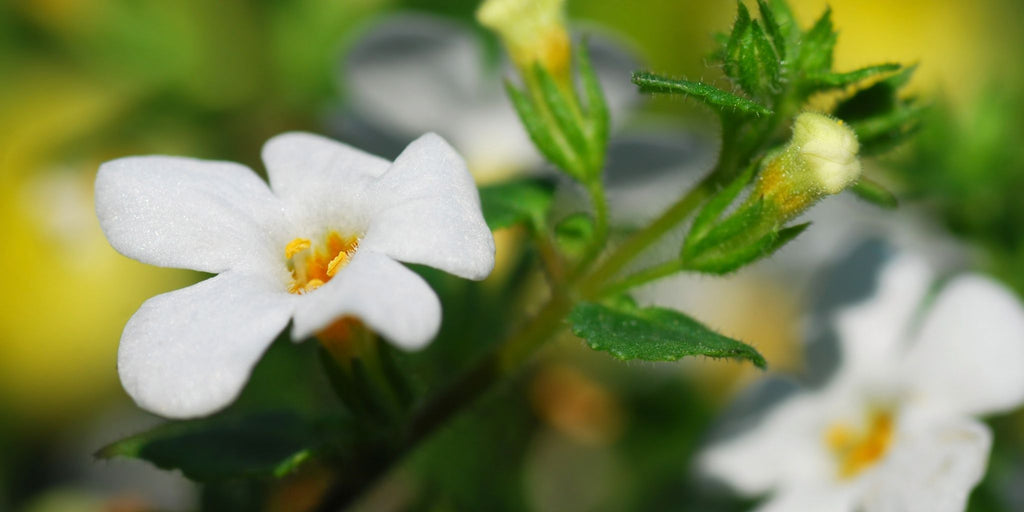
(311, 266)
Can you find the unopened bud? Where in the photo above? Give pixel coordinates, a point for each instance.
(533, 32)
(821, 159)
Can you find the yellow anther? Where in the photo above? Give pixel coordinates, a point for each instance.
(313, 284)
(855, 450)
(296, 246)
(339, 261)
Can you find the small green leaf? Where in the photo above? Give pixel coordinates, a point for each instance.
(772, 28)
(224, 446)
(653, 334)
(875, 193)
(734, 49)
(745, 224)
(597, 109)
(569, 124)
(538, 129)
(839, 80)
(705, 220)
(764, 74)
(506, 204)
(731, 258)
(574, 233)
(714, 97)
(818, 44)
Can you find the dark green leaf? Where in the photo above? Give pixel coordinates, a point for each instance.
(818, 45)
(653, 334)
(538, 129)
(873, 192)
(712, 96)
(506, 204)
(224, 446)
(838, 80)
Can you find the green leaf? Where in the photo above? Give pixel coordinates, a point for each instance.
(574, 233)
(772, 28)
(737, 40)
(839, 80)
(538, 129)
(714, 97)
(653, 334)
(818, 44)
(569, 123)
(875, 193)
(507, 204)
(224, 446)
(731, 258)
(744, 224)
(708, 215)
(764, 73)
(597, 108)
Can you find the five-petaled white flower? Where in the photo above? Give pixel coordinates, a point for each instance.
(894, 430)
(319, 245)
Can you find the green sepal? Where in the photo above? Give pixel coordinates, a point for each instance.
(254, 445)
(527, 201)
(538, 129)
(874, 193)
(839, 80)
(597, 108)
(746, 223)
(765, 74)
(772, 29)
(568, 123)
(705, 220)
(653, 334)
(722, 101)
(817, 46)
(574, 234)
(734, 49)
(731, 259)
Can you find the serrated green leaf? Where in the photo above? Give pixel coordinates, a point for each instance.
(653, 334)
(222, 447)
(838, 80)
(705, 220)
(538, 129)
(574, 233)
(597, 108)
(569, 125)
(507, 204)
(772, 28)
(738, 38)
(875, 193)
(714, 97)
(817, 46)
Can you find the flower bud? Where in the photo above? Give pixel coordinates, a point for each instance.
(533, 32)
(821, 159)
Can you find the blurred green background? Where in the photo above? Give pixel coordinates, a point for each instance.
(84, 81)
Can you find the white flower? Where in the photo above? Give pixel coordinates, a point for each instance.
(321, 243)
(413, 72)
(895, 429)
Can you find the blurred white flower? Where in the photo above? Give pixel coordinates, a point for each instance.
(412, 73)
(895, 428)
(321, 243)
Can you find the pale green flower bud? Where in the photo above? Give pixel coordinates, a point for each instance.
(533, 32)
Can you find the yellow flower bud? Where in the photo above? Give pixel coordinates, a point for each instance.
(533, 32)
(821, 159)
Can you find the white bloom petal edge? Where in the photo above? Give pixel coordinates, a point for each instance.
(189, 352)
(427, 210)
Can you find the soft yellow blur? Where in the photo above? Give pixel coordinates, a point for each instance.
(64, 293)
(952, 40)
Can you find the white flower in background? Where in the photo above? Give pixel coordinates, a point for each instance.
(895, 428)
(411, 73)
(320, 244)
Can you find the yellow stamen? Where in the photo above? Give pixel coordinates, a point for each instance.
(295, 246)
(856, 451)
(339, 261)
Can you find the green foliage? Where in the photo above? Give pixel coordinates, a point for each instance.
(224, 446)
(710, 95)
(653, 334)
(575, 233)
(875, 193)
(507, 204)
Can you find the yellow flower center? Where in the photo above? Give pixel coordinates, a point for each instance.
(311, 266)
(857, 449)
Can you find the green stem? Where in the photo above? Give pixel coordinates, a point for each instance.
(642, 277)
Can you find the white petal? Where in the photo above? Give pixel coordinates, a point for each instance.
(187, 213)
(189, 352)
(933, 471)
(969, 354)
(389, 298)
(428, 211)
(874, 331)
(322, 180)
(785, 449)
